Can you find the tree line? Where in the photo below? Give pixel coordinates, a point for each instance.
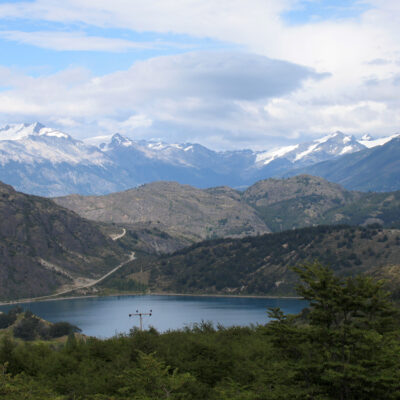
(345, 345)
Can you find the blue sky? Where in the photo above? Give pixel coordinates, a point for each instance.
(227, 74)
(309, 11)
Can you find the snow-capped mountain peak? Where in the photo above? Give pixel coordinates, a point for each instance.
(320, 149)
(42, 160)
(17, 131)
(265, 157)
(20, 131)
(35, 144)
(119, 140)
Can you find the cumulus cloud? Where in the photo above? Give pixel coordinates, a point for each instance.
(222, 75)
(208, 90)
(248, 98)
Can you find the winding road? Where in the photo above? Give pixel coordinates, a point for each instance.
(93, 283)
(120, 235)
(76, 286)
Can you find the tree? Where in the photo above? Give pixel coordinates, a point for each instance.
(348, 349)
(152, 379)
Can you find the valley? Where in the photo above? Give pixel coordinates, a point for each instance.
(189, 240)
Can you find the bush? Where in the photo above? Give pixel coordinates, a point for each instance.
(7, 320)
(59, 329)
(27, 328)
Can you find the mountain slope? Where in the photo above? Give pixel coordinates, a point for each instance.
(261, 265)
(43, 246)
(269, 205)
(308, 153)
(376, 169)
(299, 201)
(44, 161)
(39, 160)
(198, 166)
(180, 210)
(306, 200)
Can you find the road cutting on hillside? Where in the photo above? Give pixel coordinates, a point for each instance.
(79, 284)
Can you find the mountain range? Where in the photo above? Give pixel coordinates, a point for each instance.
(270, 205)
(45, 248)
(39, 160)
(372, 169)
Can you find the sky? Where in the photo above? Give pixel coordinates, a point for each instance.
(227, 74)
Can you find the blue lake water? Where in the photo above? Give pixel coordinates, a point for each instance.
(107, 316)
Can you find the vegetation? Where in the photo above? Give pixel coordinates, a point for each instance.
(8, 319)
(344, 346)
(124, 285)
(306, 200)
(44, 246)
(28, 327)
(276, 205)
(260, 264)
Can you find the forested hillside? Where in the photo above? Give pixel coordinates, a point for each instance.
(306, 200)
(344, 346)
(261, 264)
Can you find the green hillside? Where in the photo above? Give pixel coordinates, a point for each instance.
(261, 265)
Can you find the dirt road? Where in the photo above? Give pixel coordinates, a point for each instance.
(119, 236)
(77, 285)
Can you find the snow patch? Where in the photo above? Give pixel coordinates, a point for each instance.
(20, 131)
(377, 142)
(347, 149)
(346, 139)
(268, 156)
(324, 139)
(307, 152)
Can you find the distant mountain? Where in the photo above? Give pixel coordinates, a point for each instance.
(269, 205)
(322, 149)
(261, 265)
(44, 161)
(373, 169)
(44, 246)
(179, 210)
(198, 166)
(306, 200)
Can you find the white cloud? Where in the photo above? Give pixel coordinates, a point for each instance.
(224, 19)
(230, 99)
(205, 91)
(126, 126)
(77, 41)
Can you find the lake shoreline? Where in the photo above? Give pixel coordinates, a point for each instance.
(37, 300)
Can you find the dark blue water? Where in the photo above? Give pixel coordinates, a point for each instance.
(106, 316)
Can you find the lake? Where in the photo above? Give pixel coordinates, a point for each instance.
(107, 316)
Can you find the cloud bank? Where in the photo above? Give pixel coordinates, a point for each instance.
(279, 81)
